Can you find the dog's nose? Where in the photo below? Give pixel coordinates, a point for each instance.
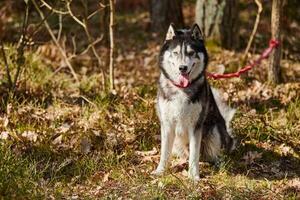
(183, 68)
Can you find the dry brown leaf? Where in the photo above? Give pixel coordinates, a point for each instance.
(147, 153)
(285, 150)
(4, 135)
(30, 135)
(64, 128)
(153, 158)
(85, 145)
(106, 177)
(251, 156)
(57, 140)
(295, 183)
(5, 122)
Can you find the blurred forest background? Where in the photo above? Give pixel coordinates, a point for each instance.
(77, 97)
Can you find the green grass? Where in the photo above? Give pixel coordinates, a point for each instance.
(18, 176)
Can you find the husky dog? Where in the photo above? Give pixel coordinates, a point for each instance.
(194, 121)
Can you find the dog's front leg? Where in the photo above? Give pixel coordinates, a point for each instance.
(195, 137)
(167, 140)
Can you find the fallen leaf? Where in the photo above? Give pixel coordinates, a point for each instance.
(147, 153)
(85, 145)
(106, 177)
(57, 140)
(285, 150)
(251, 156)
(4, 135)
(30, 135)
(64, 128)
(5, 122)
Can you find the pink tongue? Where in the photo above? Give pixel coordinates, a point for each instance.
(183, 81)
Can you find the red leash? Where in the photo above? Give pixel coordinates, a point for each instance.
(272, 44)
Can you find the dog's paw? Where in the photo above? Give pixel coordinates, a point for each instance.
(194, 176)
(158, 172)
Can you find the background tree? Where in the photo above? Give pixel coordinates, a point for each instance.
(274, 74)
(104, 21)
(218, 20)
(163, 12)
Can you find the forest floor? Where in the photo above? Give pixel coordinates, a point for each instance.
(65, 140)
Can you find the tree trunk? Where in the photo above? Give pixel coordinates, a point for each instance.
(164, 12)
(104, 21)
(112, 45)
(218, 20)
(274, 74)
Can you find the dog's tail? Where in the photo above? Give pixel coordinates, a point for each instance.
(212, 143)
(226, 111)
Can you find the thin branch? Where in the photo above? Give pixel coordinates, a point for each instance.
(20, 48)
(73, 55)
(74, 44)
(52, 9)
(92, 14)
(60, 26)
(89, 101)
(39, 25)
(90, 39)
(102, 7)
(55, 40)
(6, 65)
(111, 54)
(92, 44)
(73, 16)
(259, 10)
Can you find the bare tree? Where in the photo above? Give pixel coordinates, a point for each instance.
(20, 61)
(163, 12)
(259, 10)
(274, 73)
(104, 21)
(218, 20)
(111, 54)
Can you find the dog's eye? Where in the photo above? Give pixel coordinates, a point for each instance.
(191, 53)
(175, 53)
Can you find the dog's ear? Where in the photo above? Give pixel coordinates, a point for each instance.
(197, 33)
(171, 32)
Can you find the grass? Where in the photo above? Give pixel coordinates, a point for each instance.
(113, 127)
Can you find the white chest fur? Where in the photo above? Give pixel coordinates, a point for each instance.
(179, 112)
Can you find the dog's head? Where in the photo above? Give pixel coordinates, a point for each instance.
(183, 57)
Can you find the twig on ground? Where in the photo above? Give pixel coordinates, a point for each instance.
(260, 8)
(89, 101)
